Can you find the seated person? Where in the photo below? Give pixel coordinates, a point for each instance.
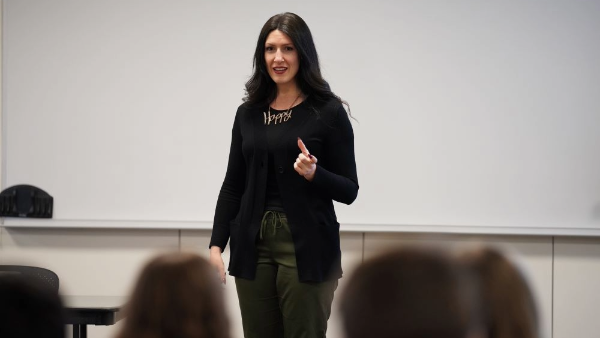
(176, 295)
(508, 303)
(411, 293)
(29, 309)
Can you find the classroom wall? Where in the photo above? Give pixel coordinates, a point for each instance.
(564, 271)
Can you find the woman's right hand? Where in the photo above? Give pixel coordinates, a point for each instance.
(217, 261)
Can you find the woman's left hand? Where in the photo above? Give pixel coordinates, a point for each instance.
(306, 164)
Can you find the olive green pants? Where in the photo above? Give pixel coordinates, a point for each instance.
(275, 304)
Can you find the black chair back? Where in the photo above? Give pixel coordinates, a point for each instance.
(44, 276)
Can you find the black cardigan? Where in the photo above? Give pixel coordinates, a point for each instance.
(328, 135)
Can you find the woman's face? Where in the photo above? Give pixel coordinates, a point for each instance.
(281, 58)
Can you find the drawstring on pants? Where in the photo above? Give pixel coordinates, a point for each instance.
(272, 219)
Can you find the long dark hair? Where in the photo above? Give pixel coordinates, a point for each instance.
(176, 295)
(411, 292)
(261, 89)
(509, 304)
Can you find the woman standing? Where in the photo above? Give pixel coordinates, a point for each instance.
(276, 202)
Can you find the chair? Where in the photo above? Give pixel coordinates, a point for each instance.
(44, 276)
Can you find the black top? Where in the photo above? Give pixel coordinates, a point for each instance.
(281, 124)
(273, 197)
(308, 205)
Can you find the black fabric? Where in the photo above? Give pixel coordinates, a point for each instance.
(309, 207)
(273, 197)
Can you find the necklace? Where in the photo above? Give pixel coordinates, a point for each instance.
(284, 116)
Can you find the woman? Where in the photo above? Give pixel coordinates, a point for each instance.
(276, 202)
(176, 295)
(509, 306)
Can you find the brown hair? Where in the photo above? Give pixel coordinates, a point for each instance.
(409, 293)
(509, 305)
(176, 295)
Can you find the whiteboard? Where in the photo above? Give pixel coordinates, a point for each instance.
(472, 115)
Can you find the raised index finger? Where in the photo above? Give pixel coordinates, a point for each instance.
(303, 148)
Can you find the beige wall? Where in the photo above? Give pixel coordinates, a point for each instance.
(563, 271)
(576, 282)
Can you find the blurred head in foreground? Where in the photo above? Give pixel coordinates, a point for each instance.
(411, 293)
(177, 295)
(508, 304)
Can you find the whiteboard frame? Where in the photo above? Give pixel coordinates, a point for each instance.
(346, 227)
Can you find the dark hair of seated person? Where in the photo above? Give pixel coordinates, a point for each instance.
(411, 293)
(178, 295)
(509, 305)
(29, 309)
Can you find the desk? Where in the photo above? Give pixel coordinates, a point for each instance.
(97, 310)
